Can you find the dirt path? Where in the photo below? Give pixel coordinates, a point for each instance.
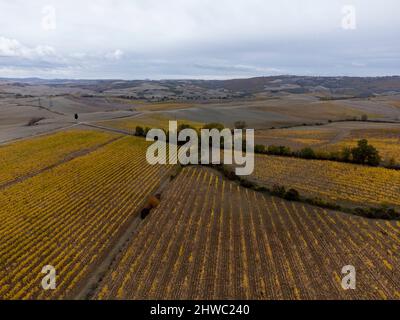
(66, 127)
(105, 265)
(95, 277)
(88, 124)
(339, 137)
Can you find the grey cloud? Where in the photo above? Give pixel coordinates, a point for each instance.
(200, 38)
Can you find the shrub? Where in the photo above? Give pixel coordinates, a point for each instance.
(334, 155)
(144, 213)
(284, 151)
(278, 150)
(382, 212)
(292, 195)
(346, 154)
(146, 131)
(229, 173)
(261, 189)
(273, 150)
(322, 155)
(34, 121)
(307, 153)
(259, 148)
(279, 191)
(247, 183)
(139, 131)
(152, 202)
(392, 163)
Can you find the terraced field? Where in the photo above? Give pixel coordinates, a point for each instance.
(31, 156)
(211, 239)
(334, 181)
(69, 216)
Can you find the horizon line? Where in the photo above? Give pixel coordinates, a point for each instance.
(197, 79)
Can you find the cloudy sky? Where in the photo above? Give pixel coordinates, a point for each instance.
(210, 39)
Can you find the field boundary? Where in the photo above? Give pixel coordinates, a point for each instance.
(292, 154)
(319, 124)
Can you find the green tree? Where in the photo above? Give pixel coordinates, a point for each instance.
(307, 153)
(292, 195)
(259, 148)
(365, 153)
(139, 131)
(278, 190)
(346, 154)
(278, 150)
(146, 131)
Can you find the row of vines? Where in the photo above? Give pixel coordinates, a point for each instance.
(212, 239)
(69, 216)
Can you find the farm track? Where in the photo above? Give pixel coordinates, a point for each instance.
(125, 132)
(120, 243)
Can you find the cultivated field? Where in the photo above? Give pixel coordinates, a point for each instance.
(70, 216)
(29, 157)
(211, 239)
(334, 136)
(333, 181)
(152, 120)
(75, 199)
(387, 141)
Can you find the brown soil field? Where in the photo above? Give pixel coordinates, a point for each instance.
(212, 239)
(336, 182)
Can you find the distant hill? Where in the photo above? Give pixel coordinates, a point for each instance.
(328, 87)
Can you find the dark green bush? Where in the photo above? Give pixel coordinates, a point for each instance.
(258, 148)
(292, 195)
(139, 131)
(307, 153)
(279, 191)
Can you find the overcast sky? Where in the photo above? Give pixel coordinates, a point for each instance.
(210, 39)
